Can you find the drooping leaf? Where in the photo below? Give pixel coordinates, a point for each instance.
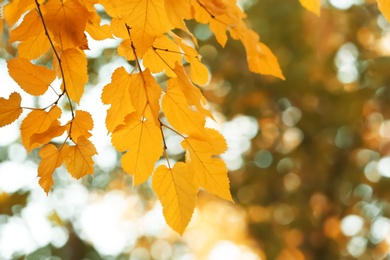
(82, 124)
(66, 21)
(36, 122)
(313, 6)
(163, 56)
(79, 158)
(10, 109)
(146, 18)
(54, 130)
(33, 79)
(198, 72)
(52, 158)
(179, 113)
(177, 194)
(207, 171)
(15, 9)
(117, 94)
(74, 64)
(143, 141)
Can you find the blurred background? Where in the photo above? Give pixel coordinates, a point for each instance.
(308, 158)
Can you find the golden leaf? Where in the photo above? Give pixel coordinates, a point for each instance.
(74, 64)
(207, 171)
(66, 21)
(81, 125)
(143, 141)
(117, 94)
(52, 158)
(79, 158)
(33, 79)
(177, 194)
(36, 122)
(384, 7)
(10, 109)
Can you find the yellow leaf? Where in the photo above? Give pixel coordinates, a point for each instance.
(143, 140)
(54, 130)
(163, 56)
(384, 7)
(33, 79)
(15, 9)
(125, 49)
(179, 114)
(74, 64)
(97, 31)
(81, 125)
(191, 92)
(177, 10)
(34, 47)
(52, 158)
(198, 72)
(216, 141)
(10, 109)
(37, 121)
(208, 172)
(145, 94)
(146, 18)
(177, 194)
(260, 57)
(117, 94)
(66, 21)
(30, 26)
(79, 158)
(313, 6)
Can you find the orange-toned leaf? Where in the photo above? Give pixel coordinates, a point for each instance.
(146, 18)
(190, 91)
(54, 130)
(198, 72)
(79, 158)
(313, 6)
(10, 109)
(145, 94)
(30, 26)
(208, 172)
(177, 10)
(384, 7)
(97, 31)
(52, 158)
(36, 122)
(163, 56)
(117, 94)
(66, 21)
(216, 141)
(74, 64)
(177, 194)
(81, 125)
(15, 9)
(179, 113)
(143, 140)
(33, 79)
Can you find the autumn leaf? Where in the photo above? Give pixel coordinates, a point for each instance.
(15, 9)
(36, 122)
(66, 21)
(79, 158)
(33, 79)
(177, 194)
(207, 171)
(117, 94)
(163, 56)
(10, 109)
(54, 130)
(313, 6)
(74, 65)
(52, 158)
(179, 113)
(146, 18)
(82, 124)
(143, 141)
(384, 7)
